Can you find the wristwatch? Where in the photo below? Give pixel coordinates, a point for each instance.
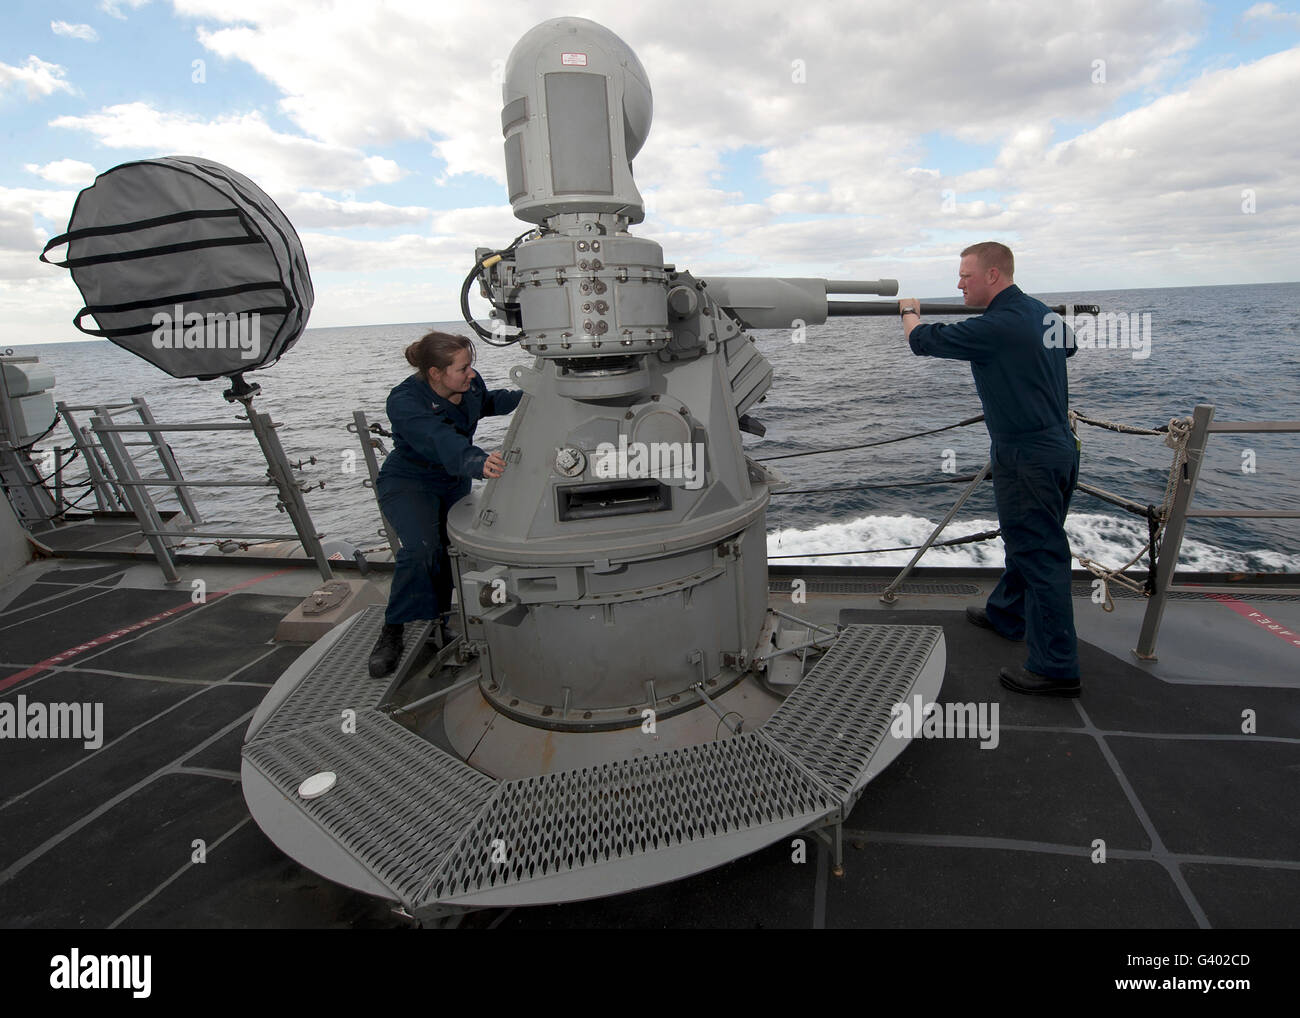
(909, 311)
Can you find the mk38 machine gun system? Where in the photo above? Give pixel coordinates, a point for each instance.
(622, 707)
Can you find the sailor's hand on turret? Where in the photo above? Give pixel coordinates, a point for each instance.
(495, 465)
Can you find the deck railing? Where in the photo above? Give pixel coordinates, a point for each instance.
(1203, 425)
(126, 479)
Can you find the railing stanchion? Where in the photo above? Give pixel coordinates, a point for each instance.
(151, 524)
(1172, 539)
(372, 468)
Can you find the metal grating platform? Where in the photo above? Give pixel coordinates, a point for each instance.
(629, 814)
(341, 679)
(834, 720)
(436, 832)
(399, 804)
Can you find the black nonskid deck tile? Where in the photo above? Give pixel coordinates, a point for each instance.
(265, 670)
(1246, 897)
(76, 574)
(80, 536)
(27, 824)
(1141, 702)
(974, 657)
(1035, 786)
(907, 886)
(222, 755)
(1117, 693)
(248, 883)
(1217, 797)
(73, 626)
(208, 642)
(41, 598)
(25, 763)
(100, 872)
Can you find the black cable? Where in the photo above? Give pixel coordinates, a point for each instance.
(24, 448)
(73, 504)
(484, 334)
(60, 514)
(868, 445)
(58, 470)
(986, 535)
(902, 438)
(873, 487)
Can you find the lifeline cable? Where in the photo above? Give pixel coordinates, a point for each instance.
(873, 487)
(868, 445)
(986, 535)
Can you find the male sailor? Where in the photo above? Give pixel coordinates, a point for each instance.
(1020, 378)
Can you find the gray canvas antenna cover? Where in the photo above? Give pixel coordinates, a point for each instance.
(188, 264)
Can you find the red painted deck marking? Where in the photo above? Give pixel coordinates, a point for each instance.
(134, 627)
(1247, 612)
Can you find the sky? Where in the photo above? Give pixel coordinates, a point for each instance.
(1110, 143)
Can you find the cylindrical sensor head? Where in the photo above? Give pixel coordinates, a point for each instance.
(576, 111)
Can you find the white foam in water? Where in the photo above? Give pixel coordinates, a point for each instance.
(1108, 540)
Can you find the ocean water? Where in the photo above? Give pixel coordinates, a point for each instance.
(849, 381)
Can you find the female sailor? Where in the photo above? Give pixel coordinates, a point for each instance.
(433, 415)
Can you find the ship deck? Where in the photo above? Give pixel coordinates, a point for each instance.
(1150, 770)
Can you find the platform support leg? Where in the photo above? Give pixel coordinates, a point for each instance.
(834, 840)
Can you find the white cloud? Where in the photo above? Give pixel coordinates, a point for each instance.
(21, 237)
(342, 302)
(36, 76)
(36, 310)
(842, 140)
(245, 142)
(851, 164)
(1154, 194)
(357, 75)
(72, 172)
(313, 210)
(485, 226)
(114, 7)
(1271, 12)
(55, 205)
(18, 235)
(84, 32)
(1158, 192)
(330, 252)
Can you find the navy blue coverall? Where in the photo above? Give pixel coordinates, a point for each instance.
(429, 470)
(1022, 385)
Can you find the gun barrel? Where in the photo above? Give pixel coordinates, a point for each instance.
(878, 308)
(768, 302)
(875, 287)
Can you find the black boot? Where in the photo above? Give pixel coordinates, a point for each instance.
(388, 648)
